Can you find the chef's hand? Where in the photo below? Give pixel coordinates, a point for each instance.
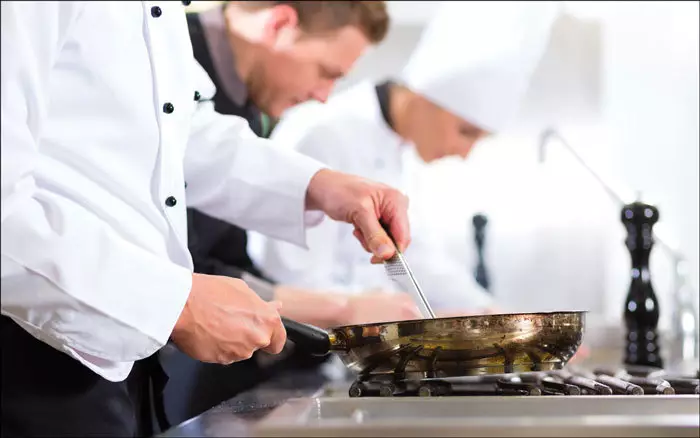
(224, 321)
(373, 307)
(363, 203)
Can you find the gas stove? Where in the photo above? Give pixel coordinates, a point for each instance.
(635, 381)
(566, 402)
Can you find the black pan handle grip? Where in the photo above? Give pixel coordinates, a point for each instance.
(312, 340)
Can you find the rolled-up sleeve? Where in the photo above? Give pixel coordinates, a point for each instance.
(235, 176)
(69, 278)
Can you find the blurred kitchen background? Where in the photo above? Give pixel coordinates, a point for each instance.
(619, 81)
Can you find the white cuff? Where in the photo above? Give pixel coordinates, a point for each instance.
(313, 218)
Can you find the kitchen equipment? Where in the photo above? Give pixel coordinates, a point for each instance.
(650, 384)
(398, 270)
(534, 404)
(686, 333)
(641, 306)
(615, 416)
(558, 403)
(480, 272)
(283, 408)
(444, 347)
(556, 382)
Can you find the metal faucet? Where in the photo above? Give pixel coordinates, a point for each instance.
(686, 332)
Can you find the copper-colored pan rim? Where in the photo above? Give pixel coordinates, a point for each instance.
(455, 318)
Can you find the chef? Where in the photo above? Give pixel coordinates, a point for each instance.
(463, 82)
(256, 74)
(252, 76)
(99, 119)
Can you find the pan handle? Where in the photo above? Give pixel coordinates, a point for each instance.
(311, 339)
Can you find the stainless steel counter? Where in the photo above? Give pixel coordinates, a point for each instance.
(552, 416)
(236, 417)
(308, 403)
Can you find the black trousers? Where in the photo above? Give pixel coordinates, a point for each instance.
(47, 393)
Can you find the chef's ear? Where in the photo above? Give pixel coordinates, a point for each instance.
(281, 26)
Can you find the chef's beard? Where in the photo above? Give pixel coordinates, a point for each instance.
(265, 94)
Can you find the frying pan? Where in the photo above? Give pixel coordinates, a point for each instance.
(449, 347)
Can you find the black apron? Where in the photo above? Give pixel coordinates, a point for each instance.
(45, 392)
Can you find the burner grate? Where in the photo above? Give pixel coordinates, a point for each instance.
(565, 382)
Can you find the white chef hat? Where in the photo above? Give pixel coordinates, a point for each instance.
(475, 58)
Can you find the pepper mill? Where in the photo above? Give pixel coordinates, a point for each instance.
(480, 273)
(641, 306)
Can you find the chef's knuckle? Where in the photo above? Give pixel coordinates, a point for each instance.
(240, 351)
(264, 318)
(366, 203)
(222, 357)
(277, 348)
(245, 355)
(272, 318)
(262, 340)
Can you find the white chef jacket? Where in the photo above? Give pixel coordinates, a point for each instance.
(350, 134)
(98, 117)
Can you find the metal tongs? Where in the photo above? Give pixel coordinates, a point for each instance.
(397, 269)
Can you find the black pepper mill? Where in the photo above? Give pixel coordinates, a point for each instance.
(641, 307)
(480, 273)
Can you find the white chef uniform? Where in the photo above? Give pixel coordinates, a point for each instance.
(99, 114)
(474, 59)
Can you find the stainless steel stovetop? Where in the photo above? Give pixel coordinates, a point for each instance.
(337, 411)
(569, 382)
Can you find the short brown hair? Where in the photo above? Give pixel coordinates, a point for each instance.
(371, 17)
